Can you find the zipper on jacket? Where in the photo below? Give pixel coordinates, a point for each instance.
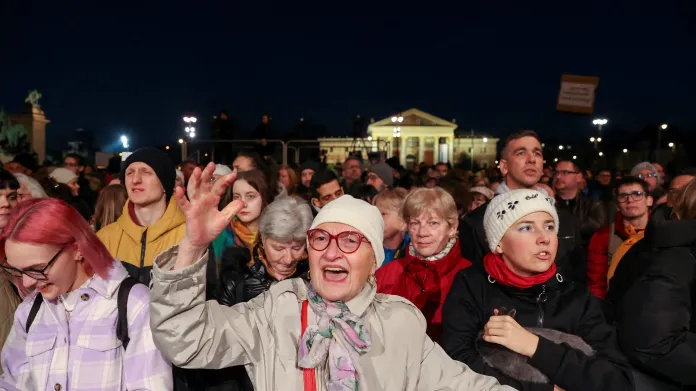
(541, 299)
(143, 244)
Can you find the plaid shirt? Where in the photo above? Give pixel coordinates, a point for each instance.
(84, 353)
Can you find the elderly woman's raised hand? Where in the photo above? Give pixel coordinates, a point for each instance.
(204, 221)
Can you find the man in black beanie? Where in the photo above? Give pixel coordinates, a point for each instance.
(151, 221)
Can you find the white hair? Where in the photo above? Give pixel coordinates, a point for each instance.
(285, 219)
(32, 184)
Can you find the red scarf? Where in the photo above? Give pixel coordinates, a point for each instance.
(499, 271)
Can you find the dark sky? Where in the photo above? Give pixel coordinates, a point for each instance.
(493, 65)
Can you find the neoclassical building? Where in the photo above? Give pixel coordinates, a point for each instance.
(414, 136)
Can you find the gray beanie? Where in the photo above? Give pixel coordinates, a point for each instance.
(635, 171)
(384, 172)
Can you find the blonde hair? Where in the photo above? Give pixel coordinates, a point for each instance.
(434, 200)
(391, 198)
(109, 205)
(292, 174)
(685, 202)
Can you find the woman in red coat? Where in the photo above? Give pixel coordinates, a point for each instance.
(425, 274)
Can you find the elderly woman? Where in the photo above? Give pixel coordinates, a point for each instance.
(29, 188)
(520, 320)
(334, 332)
(425, 274)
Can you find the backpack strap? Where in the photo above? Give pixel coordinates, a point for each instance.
(34, 310)
(122, 303)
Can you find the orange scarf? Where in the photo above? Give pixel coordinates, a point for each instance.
(247, 237)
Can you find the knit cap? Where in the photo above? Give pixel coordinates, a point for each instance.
(360, 215)
(384, 172)
(645, 166)
(505, 209)
(160, 163)
(221, 169)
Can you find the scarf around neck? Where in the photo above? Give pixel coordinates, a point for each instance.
(339, 337)
(448, 247)
(500, 272)
(247, 237)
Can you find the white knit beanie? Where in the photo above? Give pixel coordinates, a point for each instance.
(62, 175)
(360, 215)
(505, 209)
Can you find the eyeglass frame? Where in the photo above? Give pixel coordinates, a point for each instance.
(42, 272)
(565, 172)
(649, 175)
(637, 195)
(335, 237)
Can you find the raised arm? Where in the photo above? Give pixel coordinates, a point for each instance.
(189, 331)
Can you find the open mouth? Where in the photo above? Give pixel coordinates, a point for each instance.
(335, 274)
(544, 255)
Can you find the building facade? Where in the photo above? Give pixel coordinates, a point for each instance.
(415, 137)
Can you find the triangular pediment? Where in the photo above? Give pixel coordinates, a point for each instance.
(415, 117)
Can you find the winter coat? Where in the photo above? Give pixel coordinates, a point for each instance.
(571, 256)
(263, 335)
(557, 305)
(423, 283)
(85, 353)
(8, 304)
(137, 246)
(655, 317)
(606, 249)
(591, 213)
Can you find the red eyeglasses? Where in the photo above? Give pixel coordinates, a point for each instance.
(348, 241)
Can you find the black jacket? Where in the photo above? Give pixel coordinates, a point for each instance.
(655, 317)
(568, 308)
(590, 213)
(572, 254)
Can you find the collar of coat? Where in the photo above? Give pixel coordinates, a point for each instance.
(172, 218)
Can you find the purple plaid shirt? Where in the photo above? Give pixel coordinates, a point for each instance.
(84, 353)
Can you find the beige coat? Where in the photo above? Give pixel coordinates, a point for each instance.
(8, 304)
(263, 334)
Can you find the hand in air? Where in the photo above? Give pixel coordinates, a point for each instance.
(505, 331)
(204, 221)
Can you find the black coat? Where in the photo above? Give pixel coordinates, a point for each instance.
(655, 317)
(572, 254)
(590, 213)
(568, 308)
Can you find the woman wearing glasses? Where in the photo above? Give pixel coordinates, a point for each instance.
(334, 332)
(70, 335)
(425, 274)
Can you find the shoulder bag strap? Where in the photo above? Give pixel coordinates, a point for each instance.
(34, 310)
(308, 374)
(122, 306)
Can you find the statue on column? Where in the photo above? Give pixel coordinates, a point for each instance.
(33, 98)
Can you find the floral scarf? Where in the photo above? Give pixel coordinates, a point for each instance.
(339, 336)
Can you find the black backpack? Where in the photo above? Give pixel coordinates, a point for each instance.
(122, 308)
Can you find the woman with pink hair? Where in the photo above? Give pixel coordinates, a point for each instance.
(86, 325)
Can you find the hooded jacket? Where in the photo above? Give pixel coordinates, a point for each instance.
(655, 317)
(558, 305)
(137, 246)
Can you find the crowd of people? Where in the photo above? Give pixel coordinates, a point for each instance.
(257, 276)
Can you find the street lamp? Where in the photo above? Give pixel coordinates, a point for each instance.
(599, 122)
(599, 139)
(560, 147)
(601, 154)
(625, 150)
(190, 129)
(663, 126)
(592, 139)
(181, 141)
(124, 141)
(671, 145)
(485, 139)
(575, 157)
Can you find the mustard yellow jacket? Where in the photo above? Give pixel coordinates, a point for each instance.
(135, 246)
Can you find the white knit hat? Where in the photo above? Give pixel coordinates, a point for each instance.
(180, 174)
(360, 215)
(62, 175)
(505, 209)
(221, 169)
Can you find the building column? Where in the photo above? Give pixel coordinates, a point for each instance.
(421, 149)
(450, 157)
(436, 150)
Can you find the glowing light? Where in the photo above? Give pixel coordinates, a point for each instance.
(555, 159)
(369, 138)
(592, 139)
(394, 119)
(599, 139)
(663, 126)
(575, 157)
(167, 147)
(625, 150)
(671, 145)
(560, 147)
(181, 141)
(206, 155)
(600, 121)
(485, 139)
(601, 154)
(400, 119)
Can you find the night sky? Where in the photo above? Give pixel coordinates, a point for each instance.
(495, 66)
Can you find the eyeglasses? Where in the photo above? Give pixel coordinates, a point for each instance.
(650, 175)
(66, 164)
(39, 275)
(348, 241)
(635, 196)
(565, 172)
